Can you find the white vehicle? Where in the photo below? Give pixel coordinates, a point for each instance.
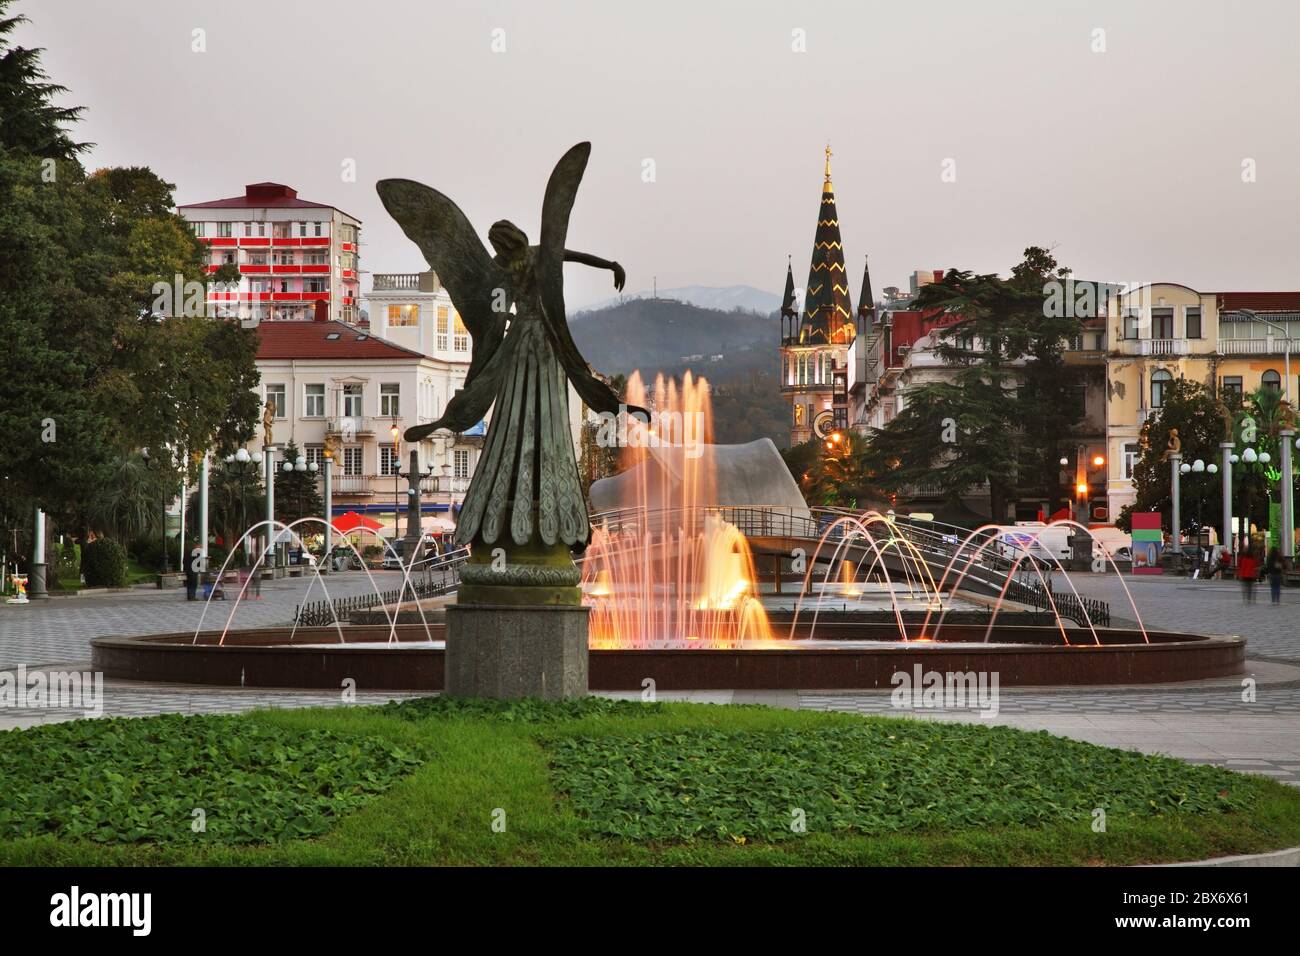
(1113, 542)
(1035, 538)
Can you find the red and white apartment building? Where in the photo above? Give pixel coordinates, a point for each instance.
(292, 253)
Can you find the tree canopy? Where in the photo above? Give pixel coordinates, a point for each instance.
(90, 371)
(1010, 405)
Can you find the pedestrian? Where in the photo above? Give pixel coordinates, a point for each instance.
(1273, 568)
(192, 574)
(1247, 572)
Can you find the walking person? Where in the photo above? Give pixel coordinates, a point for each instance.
(1247, 573)
(192, 574)
(1273, 568)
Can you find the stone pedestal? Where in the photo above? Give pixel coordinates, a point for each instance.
(512, 651)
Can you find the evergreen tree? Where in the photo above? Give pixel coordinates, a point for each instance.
(1010, 404)
(91, 371)
(296, 493)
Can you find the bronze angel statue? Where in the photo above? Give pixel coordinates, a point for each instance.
(525, 487)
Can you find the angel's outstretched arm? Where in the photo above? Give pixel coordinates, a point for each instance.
(596, 262)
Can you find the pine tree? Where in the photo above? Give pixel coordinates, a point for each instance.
(30, 122)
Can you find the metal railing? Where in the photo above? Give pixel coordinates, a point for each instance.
(437, 575)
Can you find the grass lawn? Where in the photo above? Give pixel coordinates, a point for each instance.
(437, 781)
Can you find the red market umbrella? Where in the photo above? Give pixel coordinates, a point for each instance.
(351, 521)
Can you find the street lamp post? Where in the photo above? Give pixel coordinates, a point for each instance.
(1285, 437)
(243, 459)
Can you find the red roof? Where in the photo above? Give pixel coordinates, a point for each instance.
(1259, 301)
(296, 339)
(263, 196)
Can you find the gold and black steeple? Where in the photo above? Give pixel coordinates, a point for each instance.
(828, 306)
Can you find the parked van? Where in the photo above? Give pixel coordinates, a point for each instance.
(1036, 538)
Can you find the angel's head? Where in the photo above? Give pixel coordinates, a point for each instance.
(507, 239)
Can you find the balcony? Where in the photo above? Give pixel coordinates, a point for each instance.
(1163, 346)
(351, 485)
(350, 425)
(405, 282)
(1267, 346)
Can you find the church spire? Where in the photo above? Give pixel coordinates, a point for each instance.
(787, 300)
(828, 315)
(866, 301)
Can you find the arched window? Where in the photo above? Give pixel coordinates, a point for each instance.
(1271, 379)
(1160, 382)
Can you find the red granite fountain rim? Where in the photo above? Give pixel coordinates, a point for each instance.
(309, 640)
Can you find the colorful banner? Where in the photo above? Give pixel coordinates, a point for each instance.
(1148, 542)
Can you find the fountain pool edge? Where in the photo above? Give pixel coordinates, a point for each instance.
(262, 658)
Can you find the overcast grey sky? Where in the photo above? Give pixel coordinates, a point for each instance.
(1128, 161)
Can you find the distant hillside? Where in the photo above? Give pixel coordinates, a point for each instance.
(725, 298)
(736, 351)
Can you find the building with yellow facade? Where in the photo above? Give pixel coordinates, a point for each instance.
(1228, 341)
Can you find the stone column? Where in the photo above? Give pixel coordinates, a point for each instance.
(1226, 467)
(413, 530)
(1285, 439)
(203, 513)
(1175, 518)
(326, 461)
(269, 461)
(36, 568)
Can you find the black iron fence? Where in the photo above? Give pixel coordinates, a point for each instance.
(430, 578)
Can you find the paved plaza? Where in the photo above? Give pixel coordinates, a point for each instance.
(1206, 722)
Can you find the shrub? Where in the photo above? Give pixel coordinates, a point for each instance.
(104, 564)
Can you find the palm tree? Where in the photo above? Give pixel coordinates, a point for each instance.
(130, 504)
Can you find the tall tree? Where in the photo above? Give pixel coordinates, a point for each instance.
(297, 494)
(1009, 404)
(30, 121)
(1198, 415)
(91, 369)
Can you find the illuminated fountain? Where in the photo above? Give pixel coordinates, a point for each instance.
(666, 571)
(672, 579)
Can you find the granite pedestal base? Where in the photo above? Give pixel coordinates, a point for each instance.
(508, 651)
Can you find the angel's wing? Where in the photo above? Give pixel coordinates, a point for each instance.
(561, 190)
(453, 250)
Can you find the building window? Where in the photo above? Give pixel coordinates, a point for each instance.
(388, 460)
(313, 285)
(200, 228)
(315, 454)
(352, 460)
(313, 405)
(317, 227)
(1271, 379)
(276, 394)
(1160, 382)
(352, 401)
(403, 315)
(460, 466)
(225, 229)
(389, 394)
(461, 342)
(1162, 323)
(1131, 452)
(1194, 322)
(443, 328)
(1131, 322)
(1232, 385)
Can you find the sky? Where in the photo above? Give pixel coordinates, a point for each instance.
(1152, 141)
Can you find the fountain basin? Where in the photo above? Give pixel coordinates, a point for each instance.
(844, 656)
